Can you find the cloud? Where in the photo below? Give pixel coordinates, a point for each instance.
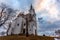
(50, 27)
(41, 4)
(47, 5)
(49, 10)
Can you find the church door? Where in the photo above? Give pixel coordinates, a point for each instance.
(23, 31)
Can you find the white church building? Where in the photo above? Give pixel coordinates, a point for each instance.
(24, 22)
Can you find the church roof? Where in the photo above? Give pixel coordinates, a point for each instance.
(20, 14)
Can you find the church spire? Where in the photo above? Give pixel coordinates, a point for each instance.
(31, 7)
(31, 10)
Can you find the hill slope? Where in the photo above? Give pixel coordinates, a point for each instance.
(26, 38)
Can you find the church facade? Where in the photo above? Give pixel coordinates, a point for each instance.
(24, 23)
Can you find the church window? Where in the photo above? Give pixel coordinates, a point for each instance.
(18, 24)
(34, 15)
(30, 29)
(24, 24)
(35, 31)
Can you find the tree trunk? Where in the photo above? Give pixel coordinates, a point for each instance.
(9, 28)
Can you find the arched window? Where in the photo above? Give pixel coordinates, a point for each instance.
(18, 24)
(24, 24)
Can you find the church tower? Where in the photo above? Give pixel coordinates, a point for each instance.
(32, 11)
(33, 24)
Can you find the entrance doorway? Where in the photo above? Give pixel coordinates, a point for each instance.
(23, 31)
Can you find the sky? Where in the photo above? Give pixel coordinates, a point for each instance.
(47, 9)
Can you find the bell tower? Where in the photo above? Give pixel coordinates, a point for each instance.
(31, 11)
(33, 22)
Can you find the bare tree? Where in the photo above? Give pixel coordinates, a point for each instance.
(9, 28)
(3, 7)
(6, 17)
(57, 32)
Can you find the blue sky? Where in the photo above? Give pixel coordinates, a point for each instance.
(18, 4)
(49, 10)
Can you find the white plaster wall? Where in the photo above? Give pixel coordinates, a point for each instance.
(12, 26)
(24, 22)
(17, 29)
(32, 27)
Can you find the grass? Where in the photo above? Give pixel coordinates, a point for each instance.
(16, 37)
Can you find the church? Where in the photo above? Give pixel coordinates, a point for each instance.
(24, 23)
